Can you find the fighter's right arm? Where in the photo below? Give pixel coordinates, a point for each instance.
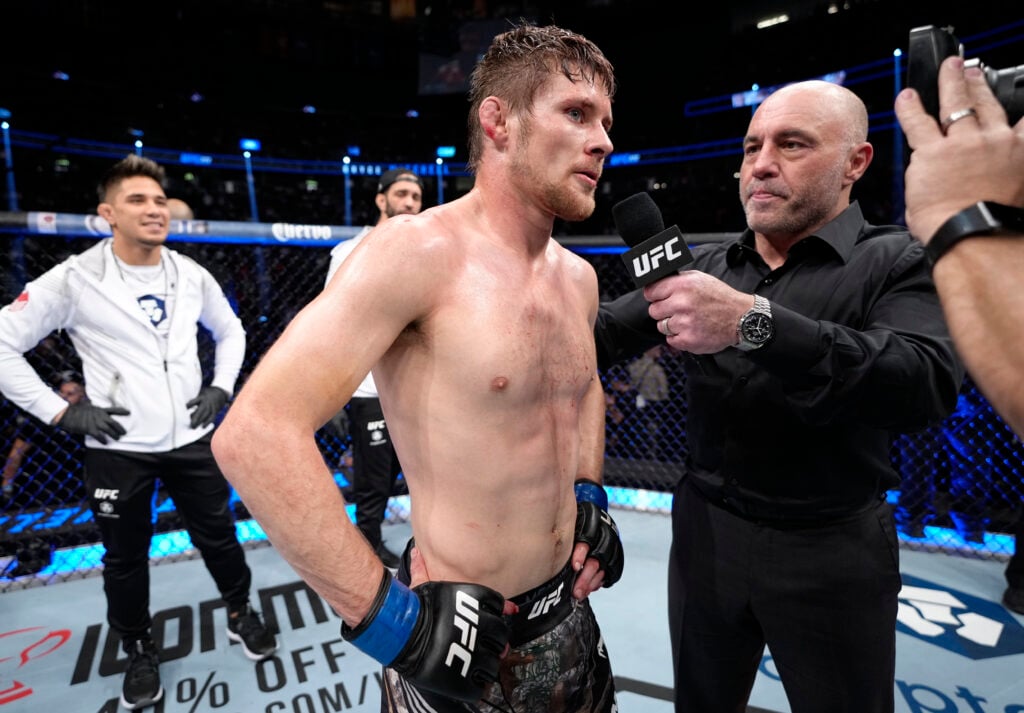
(266, 448)
(266, 444)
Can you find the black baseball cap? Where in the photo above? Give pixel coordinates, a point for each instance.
(389, 177)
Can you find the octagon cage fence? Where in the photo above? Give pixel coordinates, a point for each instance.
(961, 481)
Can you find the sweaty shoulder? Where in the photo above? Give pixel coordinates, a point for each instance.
(420, 239)
(575, 266)
(582, 277)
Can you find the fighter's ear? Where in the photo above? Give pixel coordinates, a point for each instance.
(493, 115)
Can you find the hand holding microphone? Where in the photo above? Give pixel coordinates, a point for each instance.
(655, 252)
(696, 312)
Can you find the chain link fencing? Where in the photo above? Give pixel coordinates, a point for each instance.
(962, 486)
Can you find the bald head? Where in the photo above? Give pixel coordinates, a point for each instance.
(828, 103)
(179, 209)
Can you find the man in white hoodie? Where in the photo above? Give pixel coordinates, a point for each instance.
(131, 308)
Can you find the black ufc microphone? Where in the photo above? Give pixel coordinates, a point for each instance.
(656, 252)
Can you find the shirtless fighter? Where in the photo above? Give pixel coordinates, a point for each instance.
(478, 327)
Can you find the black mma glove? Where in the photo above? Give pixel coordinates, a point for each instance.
(595, 527)
(446, 637)
(93, 421)
(208, 403)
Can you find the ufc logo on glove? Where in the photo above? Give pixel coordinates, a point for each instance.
(467, 616)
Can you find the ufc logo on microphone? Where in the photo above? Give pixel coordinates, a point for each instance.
(657, 257)
(651, 259)
(467, 616)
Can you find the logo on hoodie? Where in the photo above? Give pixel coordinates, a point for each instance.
(154, 307)
(20, 303)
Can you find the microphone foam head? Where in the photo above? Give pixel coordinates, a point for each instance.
(637, 218)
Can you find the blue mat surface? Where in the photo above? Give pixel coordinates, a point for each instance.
(958, 648)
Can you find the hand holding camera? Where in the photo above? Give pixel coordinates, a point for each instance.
(930, 45)
(957, 121)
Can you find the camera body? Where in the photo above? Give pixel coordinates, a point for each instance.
(929, 45)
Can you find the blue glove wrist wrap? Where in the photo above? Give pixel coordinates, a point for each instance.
(389, 623)
(587, 491)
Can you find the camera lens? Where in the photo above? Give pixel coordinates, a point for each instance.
(1008, 86)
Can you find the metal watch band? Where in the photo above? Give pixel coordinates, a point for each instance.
(761, 307)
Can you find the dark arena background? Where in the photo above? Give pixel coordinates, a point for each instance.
(273, 119)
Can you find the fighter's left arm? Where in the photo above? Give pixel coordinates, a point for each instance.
(597, 554)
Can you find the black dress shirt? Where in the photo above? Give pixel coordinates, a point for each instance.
(801, 429)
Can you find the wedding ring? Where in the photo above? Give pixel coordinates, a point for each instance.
(663, 327)
(957, 116)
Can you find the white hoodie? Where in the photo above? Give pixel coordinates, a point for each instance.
(123, 359)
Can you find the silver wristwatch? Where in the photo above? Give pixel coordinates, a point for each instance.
(756, 327)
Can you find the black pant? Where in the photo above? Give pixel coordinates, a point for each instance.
(120, 486)
(557, 662)
(823, 598)
(375, 466)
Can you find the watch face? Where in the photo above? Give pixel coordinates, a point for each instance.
(757, 328)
